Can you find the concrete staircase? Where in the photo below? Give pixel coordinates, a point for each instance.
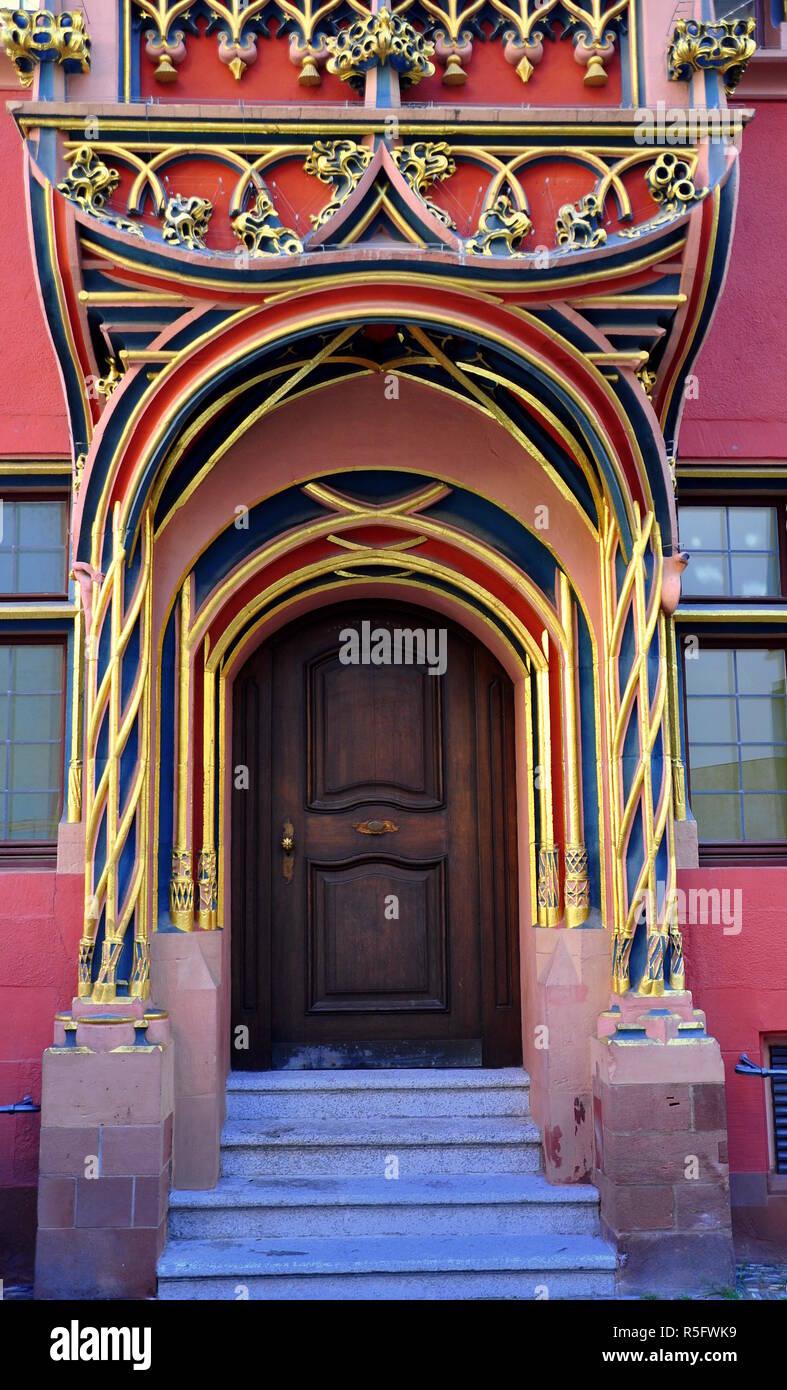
(419, 1184)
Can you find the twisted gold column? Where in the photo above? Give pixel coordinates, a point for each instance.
(653, 805)
(103, 797)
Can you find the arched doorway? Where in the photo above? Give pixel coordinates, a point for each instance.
(374, 850)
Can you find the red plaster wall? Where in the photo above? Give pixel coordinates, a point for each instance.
(741, 409)
(741, 983)
(40, 925)
(32, 415)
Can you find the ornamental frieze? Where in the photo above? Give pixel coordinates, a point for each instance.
(512, 203)
(346, 38)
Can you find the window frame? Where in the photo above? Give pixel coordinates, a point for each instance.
(731, 852)
(40, 495)
(748, 499)
(39, 853)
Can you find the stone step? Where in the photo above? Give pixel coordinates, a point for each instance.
(318, 1095)
(406, 1147)
(489, 1204)
(392, 1267)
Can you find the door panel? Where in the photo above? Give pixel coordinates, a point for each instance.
(388, 935)
(377, 937)
(374, 732)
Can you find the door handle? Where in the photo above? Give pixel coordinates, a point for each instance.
(288, 850)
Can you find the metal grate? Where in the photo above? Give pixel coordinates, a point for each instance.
(779, 1094)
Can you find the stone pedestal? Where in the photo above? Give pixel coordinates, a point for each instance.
(661, 1146)
(564, 992)
(106, 1152)
(186, 970)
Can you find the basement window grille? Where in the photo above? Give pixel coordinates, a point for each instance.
(779, 1100)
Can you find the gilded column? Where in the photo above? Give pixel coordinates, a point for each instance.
(577, 886)
(207, 878)
(77, 696)
(181, 884)
(548, 852)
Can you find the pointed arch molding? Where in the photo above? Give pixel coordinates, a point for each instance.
(154, 770)
(540, 376)
(534, 360)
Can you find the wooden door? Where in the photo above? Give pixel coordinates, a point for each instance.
(387, 934)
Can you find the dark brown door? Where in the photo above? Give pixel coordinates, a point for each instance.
(386, 935)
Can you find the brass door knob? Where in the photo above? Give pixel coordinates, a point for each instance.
(287, 842)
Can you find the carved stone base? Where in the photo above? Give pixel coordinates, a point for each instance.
(187, 974)
(661, 1146)
(106, 1145)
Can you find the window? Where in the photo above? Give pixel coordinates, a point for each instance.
(31, 740)
(735, 551)
(34, 547)
(736, 714)
(768, 14)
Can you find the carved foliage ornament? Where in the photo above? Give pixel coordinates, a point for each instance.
(422, 164)
(89, 182)
(670, 183)
(380, 38)
(577, 225)
(186, 221)
(260, 232)
(501, 229)
(724, 47)
(341, 163)
(44, 37)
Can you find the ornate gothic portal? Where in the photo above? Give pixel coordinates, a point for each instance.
(368, 353)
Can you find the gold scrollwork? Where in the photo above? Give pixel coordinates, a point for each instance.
(186, 221)
(79, 469)
(380, 39)
(423, 164)
(341, 163)
(501, 229)
(548, 885)
(29, 39)
(207, 884)
(647, 380)
(261, 233)
(677, 975)
(670, 182)
(577, 885)
(181, 890)
(577, 224)
(89, 182)
(108, 383)
(724, 46)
